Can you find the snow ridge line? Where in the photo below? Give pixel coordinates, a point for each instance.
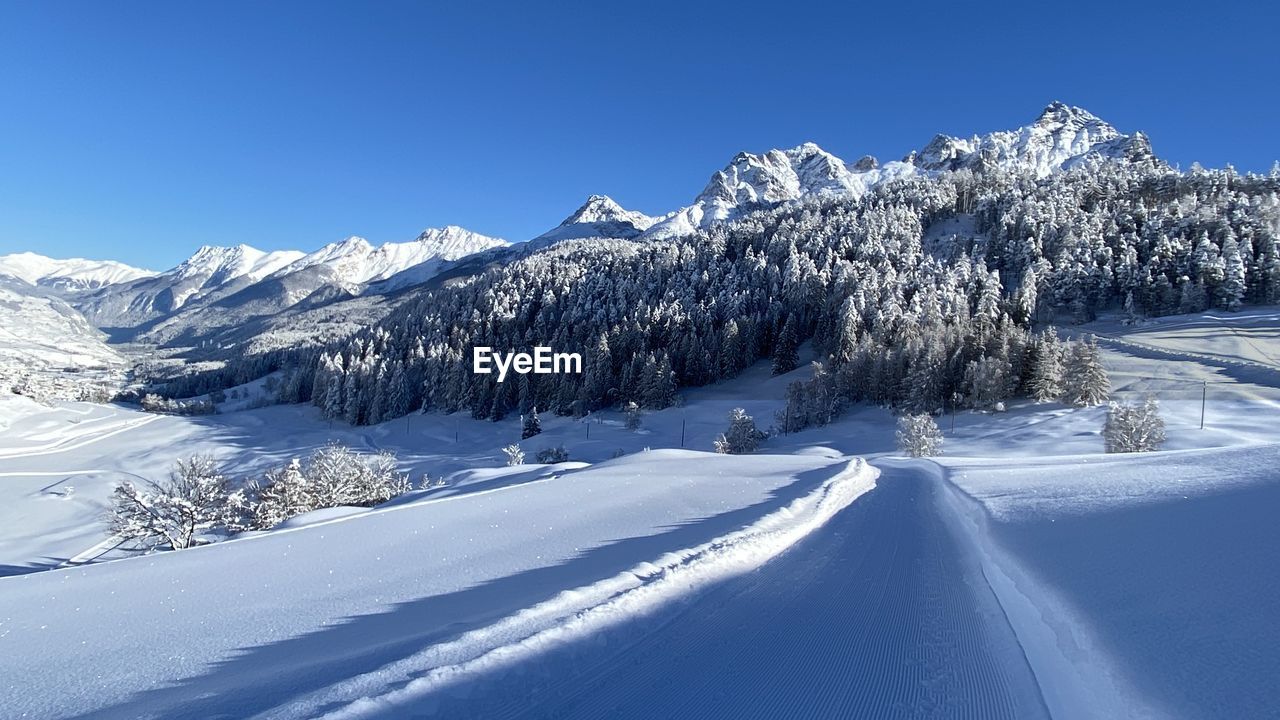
(1074, 675)
(580, 612)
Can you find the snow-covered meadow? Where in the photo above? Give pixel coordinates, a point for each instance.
(1044, 577)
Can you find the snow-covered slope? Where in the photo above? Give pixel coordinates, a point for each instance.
(40, 333)
(1062, 136)
(71, 275)
(220, 265)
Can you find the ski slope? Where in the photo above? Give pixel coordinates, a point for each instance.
(257, 624)
(881, 613)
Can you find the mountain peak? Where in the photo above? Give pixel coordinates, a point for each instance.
(599, 216)
(1059, 114)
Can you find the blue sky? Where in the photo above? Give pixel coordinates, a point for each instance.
(142, 130)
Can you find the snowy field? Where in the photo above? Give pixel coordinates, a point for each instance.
(1023, 574)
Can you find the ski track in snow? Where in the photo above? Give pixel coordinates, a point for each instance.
(76, 442)
(878, 613)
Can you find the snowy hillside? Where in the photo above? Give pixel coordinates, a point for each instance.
(44, 338)
(70, 276)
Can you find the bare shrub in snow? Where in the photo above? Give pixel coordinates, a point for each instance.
(742, 435)
(173, 513)
(1133, 428)
(919, 436)
(550, 455)
(515, 456)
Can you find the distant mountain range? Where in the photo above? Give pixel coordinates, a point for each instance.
(221, 292)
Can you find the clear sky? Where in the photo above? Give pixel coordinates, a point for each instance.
(141, 130)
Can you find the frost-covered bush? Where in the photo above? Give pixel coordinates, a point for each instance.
(1133, 428)
(742, 435)
(550, 455)
(515, 456)
(919, 436)
(332, 476)
(172, 513)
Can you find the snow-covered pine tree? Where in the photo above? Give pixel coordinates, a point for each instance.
(530, 424)
(1084, 379)
(1045, 383)
(988, 382)
(918, 435)
(1134, 428)
(742, 436)
(785, 351)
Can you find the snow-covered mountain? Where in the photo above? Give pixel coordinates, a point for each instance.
(220, 265)
(234, 283)
(71, 275)
(334, 273)
(599, 216)
(1061, 137)
(354, 261)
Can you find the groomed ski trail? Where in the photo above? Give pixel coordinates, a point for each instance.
(879, 613)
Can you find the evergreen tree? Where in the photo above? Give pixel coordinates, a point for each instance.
(530, 424)
(785, 352)
(1085, 381)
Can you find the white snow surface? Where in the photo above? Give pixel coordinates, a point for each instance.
(466, 576)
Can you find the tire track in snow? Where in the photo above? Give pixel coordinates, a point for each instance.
(879, 613)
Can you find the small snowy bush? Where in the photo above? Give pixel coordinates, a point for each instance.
(550, 455)
(1133, 428)
(742, 435)
(632, 412)
(919, 436)
(515, 456)
(172, 514)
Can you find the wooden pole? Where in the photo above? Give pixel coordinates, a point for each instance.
(1204, 396)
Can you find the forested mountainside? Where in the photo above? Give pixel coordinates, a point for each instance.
(922, 290)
